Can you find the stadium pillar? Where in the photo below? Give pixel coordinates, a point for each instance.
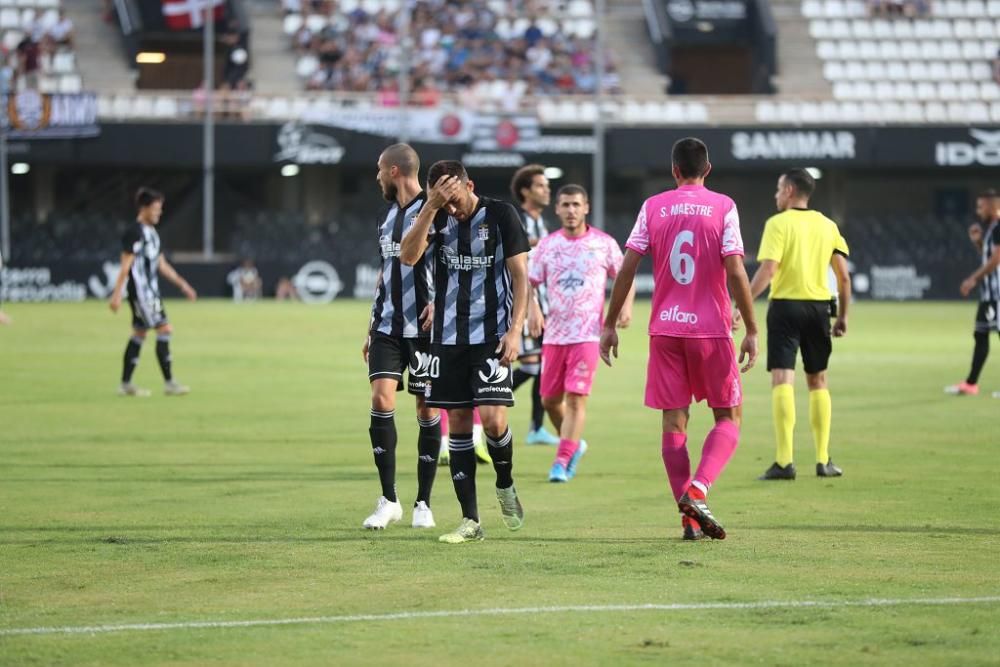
(208, 167)
(597, 213)
(4, 175)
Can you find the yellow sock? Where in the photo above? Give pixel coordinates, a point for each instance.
(820, 416)
(783, 409)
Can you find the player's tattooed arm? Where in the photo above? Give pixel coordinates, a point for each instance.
(414, 243)
(623, 287)
(171, 274)
(116, 293)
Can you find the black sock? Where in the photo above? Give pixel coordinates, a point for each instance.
(502, 453)
(163, 356)
(131, 358)
(463, 473)
(383, 435)
(979, 355)
(428, 448)
(537, 409)
(520, 377)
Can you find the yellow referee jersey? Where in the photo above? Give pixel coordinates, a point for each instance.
(802, 242)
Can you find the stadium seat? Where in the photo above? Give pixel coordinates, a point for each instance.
(834, 71)
(70, 83)
(767, 112)
(812, 9)
(993, 9)
(293, 23)
(165, 107)
(995, 112)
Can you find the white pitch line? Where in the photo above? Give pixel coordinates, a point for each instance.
(465, 613)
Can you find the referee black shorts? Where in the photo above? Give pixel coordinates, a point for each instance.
(986, 317)
(793, 324)
(389, 356)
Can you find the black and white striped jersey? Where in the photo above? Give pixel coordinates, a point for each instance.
(143, 280)
(403, 291)
(990, 287)
(474, 300)
(536, 230)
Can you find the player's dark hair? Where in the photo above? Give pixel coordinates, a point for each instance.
(801, 181)
(571, 189)
(690, 156)
(523, 178)
(446, 168)
(988, 194)
(147, 197)
(404, 157)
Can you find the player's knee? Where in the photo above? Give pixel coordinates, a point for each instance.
(139, 335)
(494, 423)
(383, 402)
(575, 403)
(424, 411)
(816, 381)
(552, 402)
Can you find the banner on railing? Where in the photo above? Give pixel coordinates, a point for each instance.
(34, 115)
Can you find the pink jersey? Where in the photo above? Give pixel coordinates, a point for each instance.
(689, 231)
(575, 272)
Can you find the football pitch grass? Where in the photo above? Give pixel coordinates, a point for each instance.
(244, 502)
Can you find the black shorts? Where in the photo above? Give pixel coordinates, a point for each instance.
(389, 356)
(795, 324)
(986, 317)
(147, 314)
(530, 346)
(464, 376)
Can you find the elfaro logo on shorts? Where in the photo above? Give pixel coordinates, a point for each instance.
(498, 372)
(675, 314)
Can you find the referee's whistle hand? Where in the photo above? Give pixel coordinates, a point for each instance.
(840, 328)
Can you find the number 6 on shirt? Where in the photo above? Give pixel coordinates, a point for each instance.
(681, 263)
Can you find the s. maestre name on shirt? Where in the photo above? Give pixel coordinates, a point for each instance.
(789, 145)
(685, 208)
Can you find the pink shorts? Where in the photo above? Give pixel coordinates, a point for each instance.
(569, 368)
(680, 368)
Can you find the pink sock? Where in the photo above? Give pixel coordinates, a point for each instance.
(567, 448)
(475, 417)
(444, 422)
(719, 447)
(677, 463)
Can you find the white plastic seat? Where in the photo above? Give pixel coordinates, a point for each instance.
(868, 50)
(959, 71)
(279, 108)
(863, 90)
(884, 90)
(856, 8)
(909, 50)
(875, 71)
(840, 29)
(968, 90)
(306, 66)
(905, 90)
(935, 112)
(978, 112)
(882, 29)
(952, 9)
(958, 112)
(834, 71)
(889, 49)
(950, 50)
(980, 71)
(316, 23)
(843, 90)
(913, 112)
(855, 71)
(850, 112)
(896, 71)
(70, 84)
(834, 9)
(812, 9)
(972, 50)
(848, 49)
(985, 29)
(891, 112)
(862, 29)
(819, 29)
(142, 107)
(826, 50)
(917, 70)
(165, 107)
(995, 112)
(937, 71)
(993, 9)
(292, 24)
(902, 30)
(923, 29)
(948, 91)
(963, 29)
(926, 91)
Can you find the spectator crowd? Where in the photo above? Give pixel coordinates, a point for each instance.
(470, 47)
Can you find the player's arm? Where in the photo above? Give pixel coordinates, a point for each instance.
(990, 266)
(621, 292)
(536, 277)
(127, 260)
(762, 277)
(976, 236)
(171, 274)
(510, 344)
(739, 287)
(839, 264)
(414, 243)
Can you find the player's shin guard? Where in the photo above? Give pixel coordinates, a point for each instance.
(502, 453)
(676, 462)
(979, 355)
(820, 417)
(428, 447)
(783, 410)
(383, 436)
(132, 351)
(463, 473)
(163, 356)
(719, 446)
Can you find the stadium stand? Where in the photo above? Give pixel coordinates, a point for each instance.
(500, 50)
(936, 68)
(37, 46)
